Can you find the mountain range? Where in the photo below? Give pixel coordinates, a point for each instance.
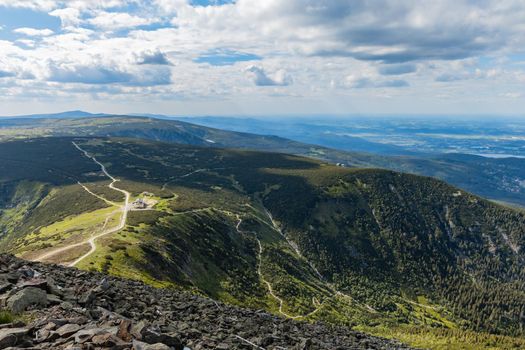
(500, 179)
(181, 206)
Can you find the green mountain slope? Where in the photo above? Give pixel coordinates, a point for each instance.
(304, 239)
(499, 179)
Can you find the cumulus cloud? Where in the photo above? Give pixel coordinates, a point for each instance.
(69, 16)
(153, 57)
(49, 5)
(44, 5)
(383, 30)
(261, 78)
(108, 75)
(33, 31)
(120, 46)
(118, 20)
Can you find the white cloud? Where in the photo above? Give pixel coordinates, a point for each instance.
(44, 5)
(153, 57)
(261, 78)
(33, 31)
(69, 16)
(103, 75)
(334, 50)
(118, 20)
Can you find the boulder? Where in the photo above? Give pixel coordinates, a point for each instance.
(12, 336)
(26, 297)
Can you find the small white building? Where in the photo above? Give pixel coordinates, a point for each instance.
(139, 203)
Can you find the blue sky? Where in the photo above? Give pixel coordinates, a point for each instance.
(248, 57)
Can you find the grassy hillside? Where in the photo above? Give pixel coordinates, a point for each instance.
(498, 179)
(394, 254)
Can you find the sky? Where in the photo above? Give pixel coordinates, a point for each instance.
(263, 57)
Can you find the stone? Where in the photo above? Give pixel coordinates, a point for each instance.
(68, 330)
(87, 298)
(52, 287)
(304, 344)
(13, 276)
(103, 312)
(12, 336)
(26, 297)
(34, 282)
(5, 286)
(124, 330)
(138, 345)
(153, 337)
(158, 346)
(137, 330)
(85, 335)
(53, 299)
(28, 272)
(107, 340)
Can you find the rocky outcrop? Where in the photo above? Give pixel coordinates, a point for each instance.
(67, 308)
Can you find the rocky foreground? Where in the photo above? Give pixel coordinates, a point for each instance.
(66, 308)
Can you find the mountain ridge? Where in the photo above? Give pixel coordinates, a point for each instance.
(336, 244)
(497, 179)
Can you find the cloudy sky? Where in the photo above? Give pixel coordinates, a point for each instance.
(263, 57)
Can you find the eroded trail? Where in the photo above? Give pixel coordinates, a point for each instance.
(269, 285)
(123, 209)
(294, 246)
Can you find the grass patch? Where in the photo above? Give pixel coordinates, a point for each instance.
(6, 317)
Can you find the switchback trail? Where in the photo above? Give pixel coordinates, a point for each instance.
(124, 208)
(294, 246)
(268, 284)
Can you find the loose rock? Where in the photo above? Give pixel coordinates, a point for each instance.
(79, 310)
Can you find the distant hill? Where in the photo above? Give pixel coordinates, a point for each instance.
(498, 179)
(68, 114)
(301, 238)
(301, 131)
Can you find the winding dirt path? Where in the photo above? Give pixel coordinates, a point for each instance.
(124, 208)
(269, 285)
